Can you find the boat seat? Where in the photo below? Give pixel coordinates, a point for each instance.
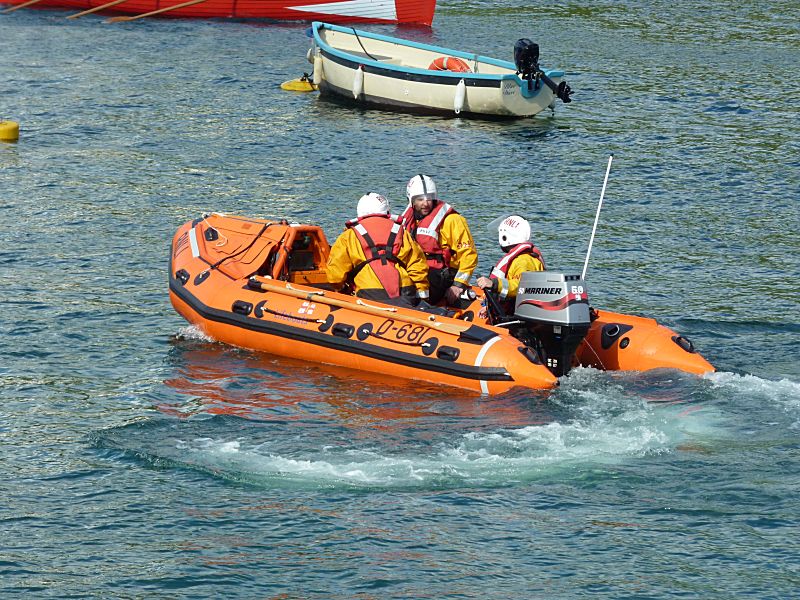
(378, 57)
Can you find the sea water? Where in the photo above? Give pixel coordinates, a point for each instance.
(141, 459)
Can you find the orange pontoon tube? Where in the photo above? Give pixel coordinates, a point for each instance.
(262, 285)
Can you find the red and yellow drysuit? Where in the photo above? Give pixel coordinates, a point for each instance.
(381, 261)
(447, 242)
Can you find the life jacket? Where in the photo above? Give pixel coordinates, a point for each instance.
(501, 268)
(426, 233)
(381, 238)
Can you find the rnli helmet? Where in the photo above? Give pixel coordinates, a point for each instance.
(421, 186)
(513, 230)
(372, 204)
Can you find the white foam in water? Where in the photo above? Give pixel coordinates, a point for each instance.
(604, 422)
(192, 332)
(783, 393)
(783, 390)
(493, 458)
(352, 467)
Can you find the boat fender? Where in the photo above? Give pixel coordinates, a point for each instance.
(343, 330)
(358, 81)
(242, 307)
(310, 55)
(449, 63)
(182, 276)
(317, 75)
(461, 94)
(448, 353)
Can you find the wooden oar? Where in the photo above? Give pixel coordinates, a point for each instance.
(96, 8)
(18, 6)
(319, 296)
(153, 12)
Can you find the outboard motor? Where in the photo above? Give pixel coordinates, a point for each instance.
(526, 58)
(555, 308)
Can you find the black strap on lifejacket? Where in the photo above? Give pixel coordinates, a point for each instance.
(384, 257)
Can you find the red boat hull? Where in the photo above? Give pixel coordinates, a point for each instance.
(417, 12)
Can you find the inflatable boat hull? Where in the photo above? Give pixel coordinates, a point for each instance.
(262, 285)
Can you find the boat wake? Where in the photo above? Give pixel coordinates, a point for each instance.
(604, 431)
(750, 390)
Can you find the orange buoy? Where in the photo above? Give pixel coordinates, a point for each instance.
(449, 63)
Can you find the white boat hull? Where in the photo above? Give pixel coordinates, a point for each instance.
(377, 72)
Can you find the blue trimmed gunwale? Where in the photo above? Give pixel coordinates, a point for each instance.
(422, 74)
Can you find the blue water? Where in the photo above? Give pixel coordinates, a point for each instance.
(141, 459)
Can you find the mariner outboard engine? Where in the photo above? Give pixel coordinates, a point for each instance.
(526, 59)
(555, 308)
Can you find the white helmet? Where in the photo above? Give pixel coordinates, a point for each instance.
(372, 204)
(513, 230)
(421, 186)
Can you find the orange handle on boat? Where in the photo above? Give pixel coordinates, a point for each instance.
(319, 296)
(153, 12)
(18, 6)
(96, 8)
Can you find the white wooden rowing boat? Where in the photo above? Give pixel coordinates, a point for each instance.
(393, 73)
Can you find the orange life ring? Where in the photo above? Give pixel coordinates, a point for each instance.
(449, 63)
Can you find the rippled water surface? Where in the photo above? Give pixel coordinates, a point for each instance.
(141, 459)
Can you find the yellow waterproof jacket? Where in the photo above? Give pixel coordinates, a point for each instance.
(346, 253)
(507, 286)
(455, 235)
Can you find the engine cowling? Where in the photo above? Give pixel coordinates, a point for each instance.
(555, 308)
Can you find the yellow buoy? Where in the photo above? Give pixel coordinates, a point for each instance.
(9, 131)
(302, 84)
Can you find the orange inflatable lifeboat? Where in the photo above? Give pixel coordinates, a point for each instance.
(262, 285)
(449, 63)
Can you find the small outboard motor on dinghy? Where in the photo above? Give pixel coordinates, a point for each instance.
(555, 308)
(526, 59)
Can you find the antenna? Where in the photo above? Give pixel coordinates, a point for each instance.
(597, 217)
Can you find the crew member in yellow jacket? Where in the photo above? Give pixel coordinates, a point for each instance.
(445, 238)
(376, 258)
(514, 235)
